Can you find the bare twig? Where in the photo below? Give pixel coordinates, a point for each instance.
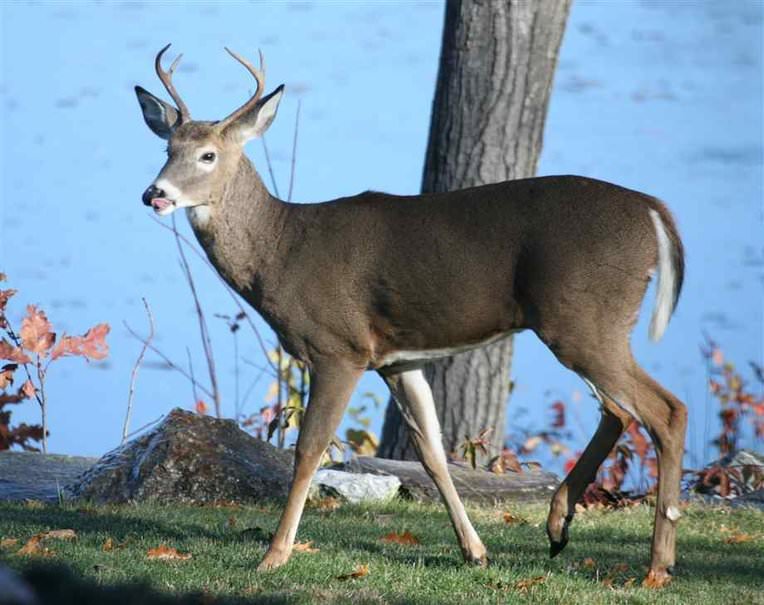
(194, 392)
(136, 368)
(172, 365)
(228, 289)
(204, 331)
(43, 404)
(270, 167)
(145, 426)
(294, 152)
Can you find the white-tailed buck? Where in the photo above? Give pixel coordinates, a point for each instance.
(386, 282)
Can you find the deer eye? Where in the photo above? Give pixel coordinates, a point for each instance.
(207, 158)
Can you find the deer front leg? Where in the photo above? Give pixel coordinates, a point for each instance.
(414, 398)
(331, 384)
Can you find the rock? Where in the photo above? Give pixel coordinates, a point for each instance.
(472, 485)
(353, 487)
(750, 466)
(750, 500)
(191, 459)
(35, 476)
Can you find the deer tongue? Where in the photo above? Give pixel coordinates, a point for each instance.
(160, 203)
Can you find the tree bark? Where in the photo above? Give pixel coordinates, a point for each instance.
(494, 80)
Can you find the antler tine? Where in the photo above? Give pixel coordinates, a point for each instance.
(166, 78)
(259, 75)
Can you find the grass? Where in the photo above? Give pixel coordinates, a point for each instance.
(224, 556)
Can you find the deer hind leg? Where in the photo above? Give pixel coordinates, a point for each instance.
(414, 398)
(332, 382)
(623, 382)
(612, 424)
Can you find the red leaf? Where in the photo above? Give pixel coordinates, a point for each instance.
(68, 345)
(201, 407)
(558, 420)
(11, 353)
(6, 375)
(36, 332)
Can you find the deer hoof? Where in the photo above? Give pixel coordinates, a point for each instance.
(557, 543)
(272, 560)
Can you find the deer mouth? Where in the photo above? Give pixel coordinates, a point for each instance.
(162, 206)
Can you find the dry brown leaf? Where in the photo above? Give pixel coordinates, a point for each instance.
(528, 583)
(28, 389)
(359, 572)
(231, 521)
(328, 503)
(406, 538)
(108, 545)
(511, 519)
(166, 553)
(305, 547)
(6, 375)
(34, 546)
(588, 563)
(738, 538)
(36, 332)
(656, 581)
(11, 353)
(8, 543)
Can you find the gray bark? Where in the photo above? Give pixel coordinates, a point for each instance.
(494, 80)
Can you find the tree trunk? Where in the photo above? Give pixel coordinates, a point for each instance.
(496, 66)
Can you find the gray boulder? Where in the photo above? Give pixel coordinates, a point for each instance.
(191, 459)
(353, 487)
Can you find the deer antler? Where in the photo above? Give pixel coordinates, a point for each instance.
(166, 77)
(259, 75)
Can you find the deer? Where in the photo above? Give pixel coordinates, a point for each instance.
(387, 283)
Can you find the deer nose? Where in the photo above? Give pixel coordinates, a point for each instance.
(152, 192)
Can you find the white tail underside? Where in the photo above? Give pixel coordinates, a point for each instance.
(664, 298)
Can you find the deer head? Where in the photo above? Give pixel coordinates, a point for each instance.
(202, 155)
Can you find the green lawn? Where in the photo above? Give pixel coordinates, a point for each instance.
(224, 556)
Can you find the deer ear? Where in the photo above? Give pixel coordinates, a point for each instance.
(254, 123)
(161, 117)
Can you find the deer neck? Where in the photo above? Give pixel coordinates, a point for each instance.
(242, 231)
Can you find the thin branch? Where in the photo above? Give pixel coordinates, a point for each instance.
(206, 342)
(168, 361)
(294, 151)
(228, 289)
(9, 330)
(270, 167)
(194, 392)
(136, 368)
(145, 426)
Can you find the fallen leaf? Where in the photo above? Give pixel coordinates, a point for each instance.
(359, 572)
(305, 547)
(328, 503)
(511, 519)
(588, 563)
(108, 545)
(8, 542)
(406, 538)
(654, 581)
(36, 331)
(59, 534)
(166, 553)
(738, 538)
(33, 547)
(527, 584)
(231, 521)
